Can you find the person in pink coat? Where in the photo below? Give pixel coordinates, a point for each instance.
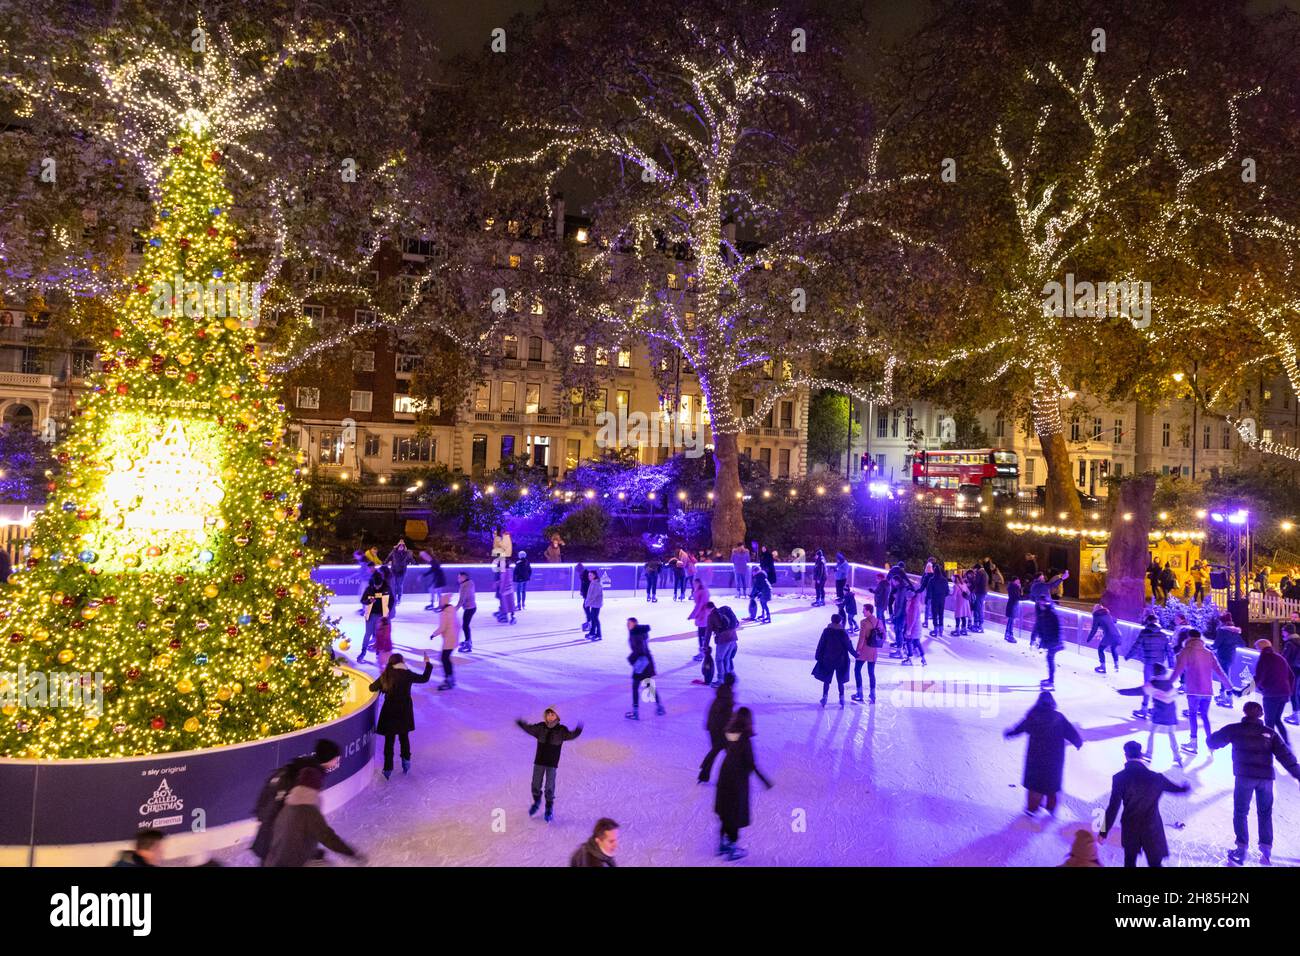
(700, 615)
(1200, 667)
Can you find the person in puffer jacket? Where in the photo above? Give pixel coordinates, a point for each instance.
(1227, 638)
(1273, 679)
(300, 827)
(1200, 667)
(1291, 654)
(1254, 748)
(1164, 709)
(1151, 647)
(1104, 621)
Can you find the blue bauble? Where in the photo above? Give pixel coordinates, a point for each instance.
(200, 659)
(245, 619)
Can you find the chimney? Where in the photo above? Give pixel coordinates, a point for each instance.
(557, 208)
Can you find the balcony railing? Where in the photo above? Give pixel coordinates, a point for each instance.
(26, 380)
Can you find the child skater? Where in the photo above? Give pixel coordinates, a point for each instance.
(551, 736)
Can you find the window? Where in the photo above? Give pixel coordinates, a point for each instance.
(515, 261)
(893, 423)
(624, 358)
(510, 346)
(746, 407)
(1227, 437)
(999, 427)
(749, 453)
(572, 453)
(1096, 429)
(580, 354)
(360, 401)
(538, 308)
(83, 364)
(882, 423)
(372, 446)
(601, 401)
(1117, 469)
(1074, 427)
(415, 448)
(787, 414)
(1185, 436)
(690, 282)
(1117, 435)
(331, 448)
(316, 272)
(602, 356)
(534, 349)
(363, 361)
(1267, 395)
(507, 447)
(478, 453)
(769, 420)
(1266, 435)
(408, 364)
(624, 398)
(508, 390)
(1164, 435)
(409, 405)
(765, 456)
(512, 226)
(1083, 471)
(308, 397)
(577, 402)
(1029, 471)
(673, 282)
(417, 247)
(532, 398)
(482, 397)
(1205, 437)
(880, 463)
(363, 317)
(541, 446)
(783, 463)
(314, 314)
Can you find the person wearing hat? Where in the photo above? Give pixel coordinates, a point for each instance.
(551, 735)
(1049, 731)
(1254, 748)
(301, 830)
(1138, 789)
(523, 573)
(1163, 715)
(1199, 667)
(1151, 647)
(1274, 681)
(325, 757)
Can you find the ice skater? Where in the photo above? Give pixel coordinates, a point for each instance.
(436, 580)
(1138, 789)
(819, 578)
(397, 716)
(740, 569)
(1048, 732)
(679, 578)
(1199, 667)
(871, 638)
(1104, 621)
(1254, 748)
(833, 654)
(643, 667)
(1011, 609)
(716, 723)
(584, 582)
(762, 593)
(467, 604)
(841, 575)
(1163, 715)
(551, 735)
(449, 630)
(599, 850)
(593, 602)
(848, 606)
(960, 605)
(731, 802)
(399, 559)
(375, 607)
(523, 573)
(1049, 639)
(724, 626)
(912, 628)
(652, 568)
(505, 598)
(1152, 647)
(699, 616)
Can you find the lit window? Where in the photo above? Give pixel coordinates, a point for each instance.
(512, 226)
(624, 358)
(582, 235)
(489, 223)
(515, 260)
(538, 308)
(360, 401)
(407, 405)
(580, 354)
(314, 314)
(672, 281)
(308, 397)
(510, 346)
(602, 356)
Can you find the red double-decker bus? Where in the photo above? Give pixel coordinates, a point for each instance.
(967, 472)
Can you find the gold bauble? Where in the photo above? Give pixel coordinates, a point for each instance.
(185, 685)
(191, 726)
(66, 655)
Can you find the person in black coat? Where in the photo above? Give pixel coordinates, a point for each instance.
(523, 573)
(551, 735)
(1048, 626)
(1048, 732)
(1104, 621)
(397, 716)
(935, 585)
(643, 666)
(599, 850)
(1138, 789)
(834, 651)
(436, 579)
(720, 714)
(1014, 594)
(1254, 748)
(731, 802)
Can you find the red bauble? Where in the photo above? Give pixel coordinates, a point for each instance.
(212, 230)
(32, 562)
(190, 378)
(313, 651)
(68, 602)
(122, 388)
(238, 578)
(133, 674)
(117, 333)
(176, 150)
(110, 599)
(142, 287)
(300, 620)
(232, 630)
(158, 723)
(235, 397)
(282, 593)
(167, 323)
(180, 579)
(268, 495)
(240, 427)
(78, 625)
(15, 638)
(174, 643)
(185, 243)
(214, 157)
(201, 334)
(263, 687)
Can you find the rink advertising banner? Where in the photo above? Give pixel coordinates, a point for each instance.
(96, 801)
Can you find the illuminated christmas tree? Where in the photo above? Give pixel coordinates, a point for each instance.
(169, 557)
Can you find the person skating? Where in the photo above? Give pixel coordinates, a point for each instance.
(325, 757)
(979, 591)
(551, 735)
(397, 716)
(1273, 681)
(716, 723)
(936, 589)
(848, 607)
(841, 575)
(1104, 621)
(1014, 595)
(523, 573)
(1163, 714)
(724, 627)
(871, 637)
(652, 568)
(834, 650)
(599, 850)
(699, 616)
(762, 593)
(467, 604)
(912, 628)
(731, 802)
(505, 598)
(399, 559)
(643, 666)
(147, 851)
(300, 829)
(593, 602)
(449, 630)
(819, 578)
(1254, 748)
(584, 582)
(960, 605)
(1199, 667)
(880, 596)
(767, 561)
(435, 578)
(1227, 638)
(1048, 626)
(1138, 789)
(1151, 647)
(375, 604)
(1049, 731)
(679, 578)
(1291, 654)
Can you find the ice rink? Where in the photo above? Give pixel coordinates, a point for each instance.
(922, 778)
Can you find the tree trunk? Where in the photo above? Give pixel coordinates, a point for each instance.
(1061, 494)
(1126, 552)
(728, 508)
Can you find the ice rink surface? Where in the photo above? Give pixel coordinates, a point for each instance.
(922, 778)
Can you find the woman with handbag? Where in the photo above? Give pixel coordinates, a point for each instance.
(374, 608)
(643, 666)
(397, 716)
(871, 638)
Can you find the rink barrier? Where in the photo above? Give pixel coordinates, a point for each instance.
(720, 576)
(82, 812)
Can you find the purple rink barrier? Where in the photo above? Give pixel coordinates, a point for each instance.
(80, 812)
